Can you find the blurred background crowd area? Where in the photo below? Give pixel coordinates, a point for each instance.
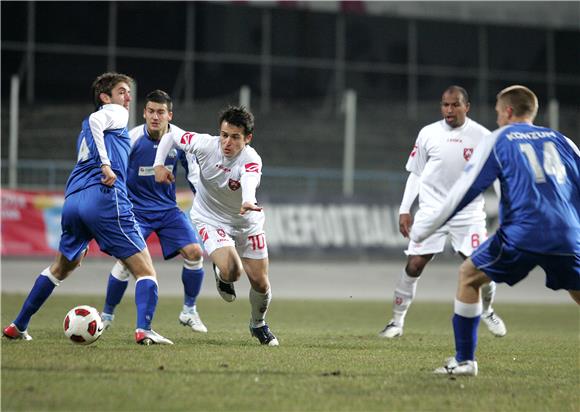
(292, 62)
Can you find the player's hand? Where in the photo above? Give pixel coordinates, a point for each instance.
(249, 207)
(109, 177)
(405, 223)
(162, 175)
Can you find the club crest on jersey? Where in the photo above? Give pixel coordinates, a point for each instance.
(234, 184)
(467, 152)
(414, 151)
(252, 167)
(186, 138)
(221, 232)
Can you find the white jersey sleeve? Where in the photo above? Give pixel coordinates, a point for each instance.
(418, 156)
(111, 116)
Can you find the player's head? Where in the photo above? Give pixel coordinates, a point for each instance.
(516, 104)
(112, 88)
(236, 129)
(454, 106)
(158, 112)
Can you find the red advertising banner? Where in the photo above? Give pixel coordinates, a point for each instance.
(31, 224)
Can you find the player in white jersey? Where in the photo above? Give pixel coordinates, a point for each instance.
(437, 159)
(225, 210)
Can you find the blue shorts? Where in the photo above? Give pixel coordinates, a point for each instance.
(104, 214)
(505, 264)
(171, 226)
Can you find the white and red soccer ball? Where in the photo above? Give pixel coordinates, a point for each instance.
(83, 325)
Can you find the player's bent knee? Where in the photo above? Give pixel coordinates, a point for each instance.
(192, 252)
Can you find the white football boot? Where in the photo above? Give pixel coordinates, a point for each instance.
(494, 324)
(107, 319)
(192, 319)
(392, 330)
(150, 337)
(452, 367)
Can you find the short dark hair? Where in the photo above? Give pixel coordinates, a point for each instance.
(161, 97)
(523, 101)
(238, 116)
(459, 89)
(105, 83)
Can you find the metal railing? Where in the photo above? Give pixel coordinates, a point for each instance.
(277, 182)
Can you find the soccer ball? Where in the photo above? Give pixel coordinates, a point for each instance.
(83, 325)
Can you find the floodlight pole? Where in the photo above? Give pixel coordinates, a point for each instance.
(245, 96)
(13, 148)
(349, 143)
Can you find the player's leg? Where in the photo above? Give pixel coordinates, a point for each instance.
(465, 239)
(493, 260)
(176, 236)
(575, 295)
(146, 296)
(419, 255)
(116, 287)
(192, 277)
(43, 287)
(260, 298)
(467, 313)
(220, 247)
(73, 247)
(118, 234)
(252, 247)
(119, 278)
(227, 268)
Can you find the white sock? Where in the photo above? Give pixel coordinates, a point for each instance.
(189, 309)
(487, 297)
(403, 297)
(260, 303)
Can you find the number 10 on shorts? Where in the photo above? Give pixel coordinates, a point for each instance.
(258, 241)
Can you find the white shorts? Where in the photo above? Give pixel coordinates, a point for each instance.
(249, 241)
(465, 237)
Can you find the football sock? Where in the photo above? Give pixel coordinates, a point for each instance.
(145, 300)
(192, 278)
(43, 287)
(403, 297)
(488, 296)
(115, 291)
(259, 302)
(465, 323)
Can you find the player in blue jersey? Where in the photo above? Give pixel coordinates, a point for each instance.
(97, 207)
(156, 210)
(539, 173)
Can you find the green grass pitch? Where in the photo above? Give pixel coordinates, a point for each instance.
(329, 359)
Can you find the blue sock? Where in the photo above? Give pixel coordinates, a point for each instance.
(41, 290)
(192, 280)
(115, 291)
(146, 301)
(465, 330)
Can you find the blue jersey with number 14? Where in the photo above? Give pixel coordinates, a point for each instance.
(538, 169)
